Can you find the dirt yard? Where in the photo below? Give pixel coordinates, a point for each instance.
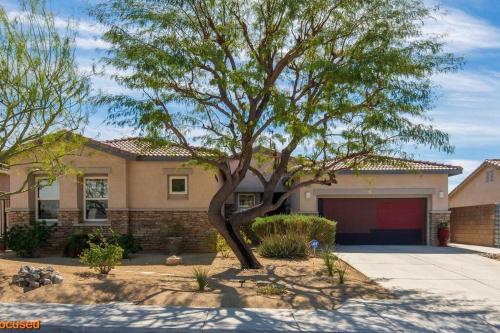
(146, 280)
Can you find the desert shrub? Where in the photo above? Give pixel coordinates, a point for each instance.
(341, 271)
(223, 248)
(79, 242)
(201, 276)
(285, 246)
(313, 227)
(25, 239)
(329, 259)
(101, 255)
(76, 244)
(127, 242)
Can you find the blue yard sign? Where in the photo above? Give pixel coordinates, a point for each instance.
(314, 245)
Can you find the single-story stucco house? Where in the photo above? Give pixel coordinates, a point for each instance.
(475, 207)
(4, 188)
(154, 193)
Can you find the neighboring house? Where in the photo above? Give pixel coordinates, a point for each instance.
(154, 193)
(475, 207)
(4, 202)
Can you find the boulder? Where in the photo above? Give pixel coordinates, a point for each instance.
(34, 284)
(173, 261)
(56, 279)
(46, 282)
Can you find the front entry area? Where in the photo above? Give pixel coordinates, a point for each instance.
(377, 221)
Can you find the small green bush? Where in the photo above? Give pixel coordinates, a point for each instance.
(313, 227)
(79, 242)
(223, 248)
(127, 242)
(329, 260)
(285, 246)
(25, 239)
(341, 271)
(76, 244)
(201, 276)
(101, 255)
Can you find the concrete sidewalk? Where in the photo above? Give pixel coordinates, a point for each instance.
(410, 315)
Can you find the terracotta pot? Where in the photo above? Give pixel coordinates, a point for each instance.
(443, 236)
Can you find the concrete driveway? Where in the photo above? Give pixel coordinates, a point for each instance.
(416, 271)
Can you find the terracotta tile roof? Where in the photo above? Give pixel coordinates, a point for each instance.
(137, 148)
(493, 162)
(399, 165)
(140, 147)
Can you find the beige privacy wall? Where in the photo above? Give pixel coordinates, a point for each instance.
(132, 184)
(377, 185)
(476, 191)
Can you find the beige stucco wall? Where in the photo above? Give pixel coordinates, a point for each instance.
(148, 185)
(377, 185)
(132, 184)
(476, 191)
(91, 163)
(4, 182)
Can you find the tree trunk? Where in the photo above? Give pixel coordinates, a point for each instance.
(233, 238)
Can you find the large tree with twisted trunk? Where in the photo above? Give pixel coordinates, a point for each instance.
(323, 85)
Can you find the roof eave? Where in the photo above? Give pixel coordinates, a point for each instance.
(449, 172)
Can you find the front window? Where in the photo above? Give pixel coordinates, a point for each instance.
(246, 201)
(96, 199)
(47, 200)
(178, 185)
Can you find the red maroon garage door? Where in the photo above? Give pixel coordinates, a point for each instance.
(380, 221)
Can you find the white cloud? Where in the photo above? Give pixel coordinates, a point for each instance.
(463, 32)
(82, 27)
(469, 82)
(91, 43)
(88, 32)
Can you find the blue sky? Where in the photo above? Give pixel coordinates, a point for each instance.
(468, 107)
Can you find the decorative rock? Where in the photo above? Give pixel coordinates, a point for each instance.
(56, 279)
(173, 261)
(29, 277)
(34, 284)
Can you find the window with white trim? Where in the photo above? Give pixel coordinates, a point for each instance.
(95, 190)
(178, 185)
(246, 201)
(47, 200)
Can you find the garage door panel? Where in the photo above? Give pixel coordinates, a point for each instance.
(349, 209)
(401, 214)
(377, 220)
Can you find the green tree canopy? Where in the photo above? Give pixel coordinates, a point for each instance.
(41, 92)
(323, 85)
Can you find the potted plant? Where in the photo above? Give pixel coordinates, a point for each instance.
(443, 233)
